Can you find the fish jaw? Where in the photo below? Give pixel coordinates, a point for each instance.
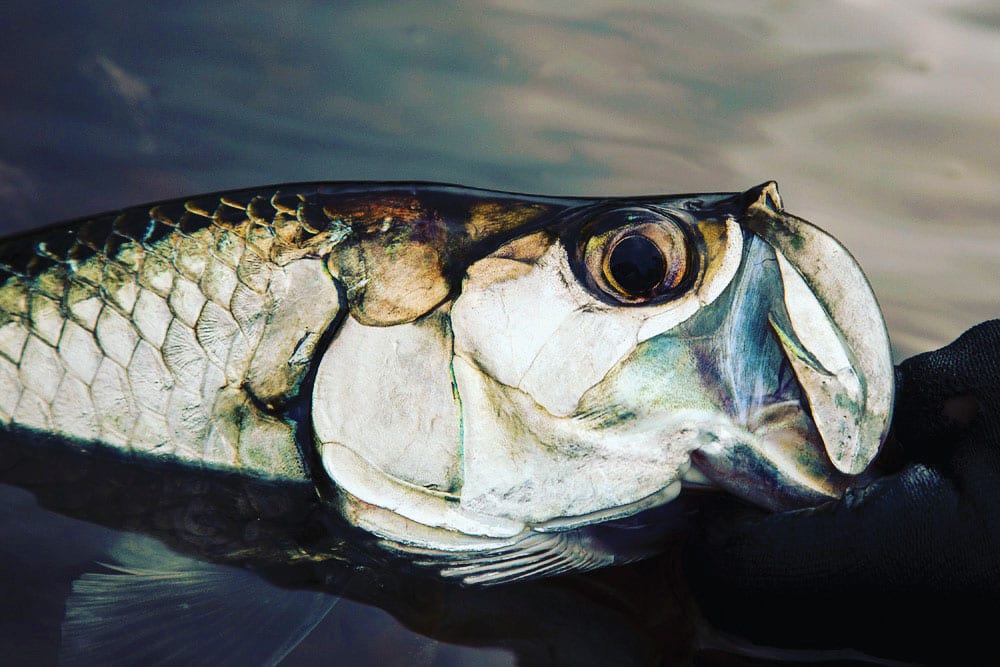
(778, 462)
(805, 399)
(752, 434)
(838, 346)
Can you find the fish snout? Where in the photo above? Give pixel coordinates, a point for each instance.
(831, 330)
(820, 419)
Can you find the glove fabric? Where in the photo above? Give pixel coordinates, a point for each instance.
(906, 568)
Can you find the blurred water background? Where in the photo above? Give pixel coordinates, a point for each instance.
(878, 118)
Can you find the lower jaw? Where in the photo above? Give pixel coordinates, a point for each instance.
(780, 464)
(763, 485)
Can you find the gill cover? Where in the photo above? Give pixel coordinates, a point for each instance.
(832, 332)
(491, 413)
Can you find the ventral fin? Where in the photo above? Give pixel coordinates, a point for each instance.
(152, 606)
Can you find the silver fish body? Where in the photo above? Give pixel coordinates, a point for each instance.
(489, 380)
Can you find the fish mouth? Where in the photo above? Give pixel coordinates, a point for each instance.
(817, 434)
(778, 462)
(768, 449)
(831, 330)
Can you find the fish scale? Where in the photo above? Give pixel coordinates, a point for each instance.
(138, 330)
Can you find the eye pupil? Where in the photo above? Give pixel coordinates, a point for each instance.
(636, 265)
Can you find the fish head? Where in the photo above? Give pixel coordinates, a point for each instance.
(585, 368)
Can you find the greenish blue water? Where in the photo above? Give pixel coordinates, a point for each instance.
(877, 118)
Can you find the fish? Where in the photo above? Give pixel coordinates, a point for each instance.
(494, 386)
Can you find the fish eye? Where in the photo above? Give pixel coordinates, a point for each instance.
(634, 265)
(637, 255)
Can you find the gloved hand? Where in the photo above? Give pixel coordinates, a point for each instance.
(908, 567)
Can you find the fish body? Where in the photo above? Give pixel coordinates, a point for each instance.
(501, 386)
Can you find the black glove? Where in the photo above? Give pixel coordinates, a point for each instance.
(907, 568)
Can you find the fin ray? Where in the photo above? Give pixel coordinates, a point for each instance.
(154, 606)
(537, 555)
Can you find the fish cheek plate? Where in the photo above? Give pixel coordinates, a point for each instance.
(472, 441)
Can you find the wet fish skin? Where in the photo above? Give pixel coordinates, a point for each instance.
(140, 330)
(388, 340)
(182, 329)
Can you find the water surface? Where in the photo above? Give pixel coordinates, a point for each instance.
(877, 118)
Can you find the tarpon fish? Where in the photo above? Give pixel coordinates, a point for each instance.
(488, 383)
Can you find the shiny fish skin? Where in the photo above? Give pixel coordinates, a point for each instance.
(170, 330)
(463, 369)
(184, 329)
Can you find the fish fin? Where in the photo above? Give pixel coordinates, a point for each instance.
(153, 606)
(537, 555)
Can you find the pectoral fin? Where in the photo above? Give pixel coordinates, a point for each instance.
(832, 331)
(152, 606)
